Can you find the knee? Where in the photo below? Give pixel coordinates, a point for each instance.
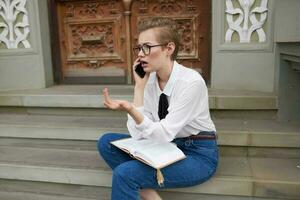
(103, 143)
(124, 183)
(122, 174)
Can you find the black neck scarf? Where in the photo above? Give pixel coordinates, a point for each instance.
(163, 106)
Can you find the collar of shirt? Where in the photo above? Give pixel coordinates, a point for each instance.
(171, 82)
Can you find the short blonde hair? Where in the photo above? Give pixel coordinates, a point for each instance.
(166, 31)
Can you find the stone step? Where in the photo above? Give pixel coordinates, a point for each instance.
(225, 150)
(231, 132)
(35, 196)
(100, 112)
(237, 176)
(218, 114)
(28, 190)
(89, 96)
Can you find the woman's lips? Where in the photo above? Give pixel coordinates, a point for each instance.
(143, 63)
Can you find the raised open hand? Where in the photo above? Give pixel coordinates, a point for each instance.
(115, 104)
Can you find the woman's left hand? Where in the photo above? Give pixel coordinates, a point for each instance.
(115, 104)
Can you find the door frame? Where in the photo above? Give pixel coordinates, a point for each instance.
(54, 36)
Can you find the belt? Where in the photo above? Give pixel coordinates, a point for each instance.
(203, 137)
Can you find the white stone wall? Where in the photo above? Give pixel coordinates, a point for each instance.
(25, 58)
(287, 21)
(246, 63)
(252, 65)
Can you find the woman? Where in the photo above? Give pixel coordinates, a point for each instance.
(170, 105)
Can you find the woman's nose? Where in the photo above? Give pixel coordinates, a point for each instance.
(141, 53)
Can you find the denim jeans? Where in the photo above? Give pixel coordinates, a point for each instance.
(130, 175)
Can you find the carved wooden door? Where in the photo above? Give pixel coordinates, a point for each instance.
(92, 41)
(193, 18)
(95, 36)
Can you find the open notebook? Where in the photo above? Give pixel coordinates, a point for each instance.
(154, 154)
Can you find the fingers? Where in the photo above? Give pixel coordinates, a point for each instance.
(105, 94)
(136, 62)
(107, 105)
(114, 104)
(108, 102)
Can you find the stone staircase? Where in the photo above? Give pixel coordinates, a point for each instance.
(48, 146)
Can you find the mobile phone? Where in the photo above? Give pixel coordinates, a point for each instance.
(140, 71)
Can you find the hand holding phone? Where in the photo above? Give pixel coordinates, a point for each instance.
(140, 71)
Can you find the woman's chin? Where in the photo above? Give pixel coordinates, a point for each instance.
(147, 69)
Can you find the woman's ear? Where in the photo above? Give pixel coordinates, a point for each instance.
(170, 48)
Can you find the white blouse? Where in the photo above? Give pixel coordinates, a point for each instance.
(188, 107)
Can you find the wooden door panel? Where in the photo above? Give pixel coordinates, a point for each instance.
(193, 19)
(92, 41)
(94, 36)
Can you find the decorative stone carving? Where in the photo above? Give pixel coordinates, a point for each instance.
(91, 39)
(246, 13)
(14, 25)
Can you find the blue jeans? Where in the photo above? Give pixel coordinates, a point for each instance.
(130, 175)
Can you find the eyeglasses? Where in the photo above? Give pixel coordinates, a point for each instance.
(146, 48)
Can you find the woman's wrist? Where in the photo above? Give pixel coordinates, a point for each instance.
(139, 87)
(138, 99)
(130, 109)
(135, 114)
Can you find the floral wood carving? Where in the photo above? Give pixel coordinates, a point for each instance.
(91, 39)
(91, 9)
(191, 6)
(185, 30)
(14, 25)
(187, 35)
(244, 14)
(143, 6)
(167, 7)
(70, 10)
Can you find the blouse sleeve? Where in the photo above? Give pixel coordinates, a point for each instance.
(131, 124)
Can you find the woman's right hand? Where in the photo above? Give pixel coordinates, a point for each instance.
(140, 82)
(114, 104)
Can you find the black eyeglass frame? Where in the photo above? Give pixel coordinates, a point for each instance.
(138, 48)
